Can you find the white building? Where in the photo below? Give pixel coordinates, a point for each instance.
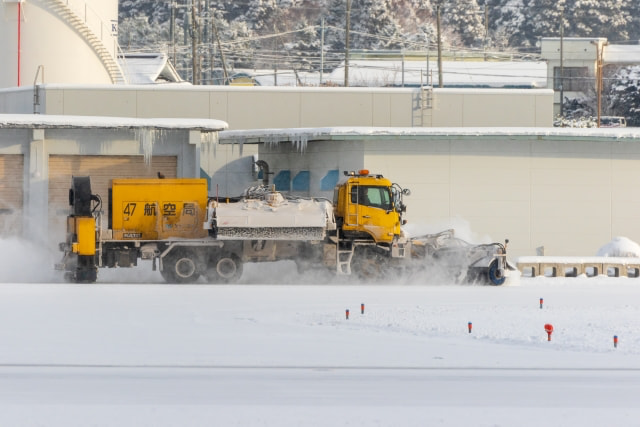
(582, 59)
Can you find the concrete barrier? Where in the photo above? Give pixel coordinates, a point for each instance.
(550, 266)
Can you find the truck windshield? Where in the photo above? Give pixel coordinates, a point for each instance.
(376, 197)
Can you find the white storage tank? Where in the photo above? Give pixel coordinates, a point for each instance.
(58, 41)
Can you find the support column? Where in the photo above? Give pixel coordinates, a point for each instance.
(36, 189)
(192, 162)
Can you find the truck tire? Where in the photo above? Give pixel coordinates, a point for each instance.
(369, 265)
(496, 276)
(180, 266)
(225, 268)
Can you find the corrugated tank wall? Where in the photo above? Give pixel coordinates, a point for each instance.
(57, 41)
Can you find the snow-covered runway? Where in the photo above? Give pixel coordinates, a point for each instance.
(80, 396)
(286, 355)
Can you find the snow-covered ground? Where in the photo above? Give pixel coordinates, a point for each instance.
(262, 353)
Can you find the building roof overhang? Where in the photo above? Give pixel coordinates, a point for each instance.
(44, 121)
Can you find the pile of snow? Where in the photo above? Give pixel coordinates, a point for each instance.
(620, 247)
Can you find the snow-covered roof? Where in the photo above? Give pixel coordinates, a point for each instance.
(39, 121)
(621, 54)
(298, 135)
(494, 74)
(148, 68)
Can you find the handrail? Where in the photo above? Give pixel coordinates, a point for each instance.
(99, 28)
(36, 93)
(91, 18)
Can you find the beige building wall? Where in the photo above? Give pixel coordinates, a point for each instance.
(286, 107)
(290, 107)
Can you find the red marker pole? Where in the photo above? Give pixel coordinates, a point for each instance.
(548, 329)
(470, 325)
(362, 308)
(615, 341)
(346, 312)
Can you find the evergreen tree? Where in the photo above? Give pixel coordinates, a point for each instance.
(465, 19)
(306, 47)
(260, 14)
(625, 95)
(633, 10)
(246, 27)
(543, 18)
(336, 22)
(598, 18)
(506, 19)
(373, 25)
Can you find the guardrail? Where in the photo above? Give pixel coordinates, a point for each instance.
(549, 266)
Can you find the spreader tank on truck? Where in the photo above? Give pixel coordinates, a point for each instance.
(188, 235)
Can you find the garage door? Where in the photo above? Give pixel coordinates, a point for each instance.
(101, 169)
(11, 180)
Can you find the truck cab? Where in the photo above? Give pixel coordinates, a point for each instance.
(365, 207)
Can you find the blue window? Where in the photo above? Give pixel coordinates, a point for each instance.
(301, 181)
(282, 181)
(329, 180)
(203, 174)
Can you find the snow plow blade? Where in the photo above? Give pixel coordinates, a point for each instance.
(461, 261)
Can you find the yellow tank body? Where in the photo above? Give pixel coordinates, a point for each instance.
(156, 209)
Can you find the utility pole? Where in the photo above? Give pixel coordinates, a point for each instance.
(440, 82)
(195, 40)
(172, 31)
(599, 72)
(186, 24)
(486, 30)
(275, 50)
(321, 52)
(346, 45)
(562, 61)
(215, 33)
(206, 39)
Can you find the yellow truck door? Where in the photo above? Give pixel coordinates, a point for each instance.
(371, 210)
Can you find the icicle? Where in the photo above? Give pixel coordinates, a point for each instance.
(147, 138)
(208, 144)
(300, 142)
(272, 141)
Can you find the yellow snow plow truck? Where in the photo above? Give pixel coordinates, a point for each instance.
(188, 235)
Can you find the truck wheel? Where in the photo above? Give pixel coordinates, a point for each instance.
(368, 265)
(496, 275)
(180, 267)
(475, 276)
(226, 268)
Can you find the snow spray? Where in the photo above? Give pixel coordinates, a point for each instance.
(22, 261)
